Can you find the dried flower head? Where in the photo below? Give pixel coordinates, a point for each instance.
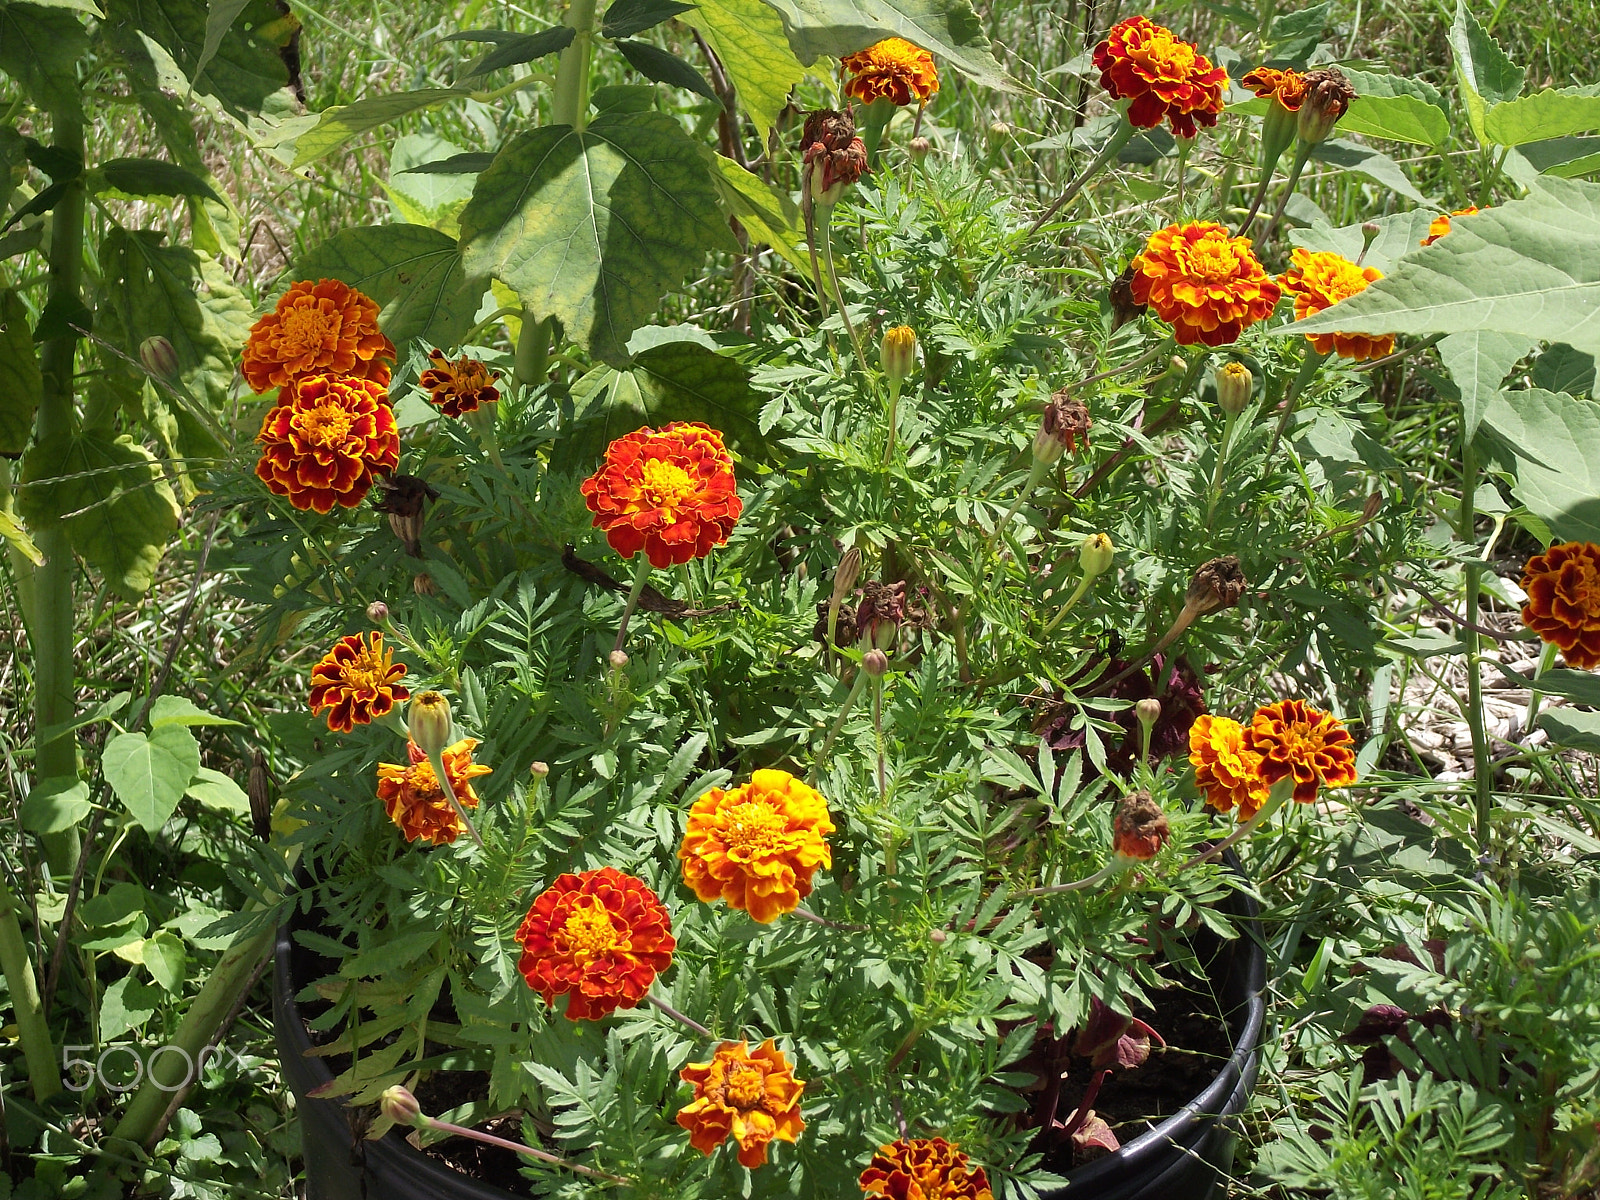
(1563, 608)
(1066, 419)
(1139, 828)
(416, 803)
(757, 846)
(1165, 77)
(404, 498)
(1217, 583)
(327, 441)
(599, 938)
(879, 614)
(1440, 225)
(1204, 282)
(834, 156)
(1319, 279)
(457, 386)
(356, 681)
(893, 69)
(750, 1096)
(1124, 307)
(668, 492)
(1226, 767)
(1297, 741)
(1327, 97)
(924, 1169)
(322, 328)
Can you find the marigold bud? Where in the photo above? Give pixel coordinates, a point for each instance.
(846, 574)
(834, 156)
(1139, 829)
(1328, 96)
(999, 131)
(1148, 711)
(1234, 385)
(377, 612)
(400, 1106)
(938, 936)
(1217, 584)
(1095, 555)
(405, 498)
(1047, 449)
(919, 148)
(540, 769)
(898, 352)
(618, 659)
(158, 357)
(428, 721)
(422, 584)
(875, 663)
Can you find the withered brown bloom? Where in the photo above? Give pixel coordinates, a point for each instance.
(1066, 419)
(404, 498)
(834, 156)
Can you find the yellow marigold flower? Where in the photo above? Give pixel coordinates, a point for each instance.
(752, 1097)
(1295, 740)
(355, 681)
(1563, 608)
(1204, 282)
(458, 386)
(1226, 768)
(1440, 225)
(1319, 279)
(416, 803)
(924, 1169)
(893, 68)
(1288, 88)
(321, 328)
(757, 846)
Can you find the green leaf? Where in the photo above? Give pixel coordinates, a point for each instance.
(770, 216)
(1398, 235)
(40, 48)
(117, 509)
(1580, 686)
(1369, 83)
(1565, 157)
(175, 710)
(18, 538)
(1398, 118)
(127, 1004)
(1572, 728)
(467, 163)
(1478, 363)
(20, 383)
(655, 63)
(166, 960)
(119, 904)
(1374, 164)
(1530, 266)
(513, 48)
(948, 28)
(428, 197)
(1556, 443)
(1563, 369)
(220, 16)
(628, 17)
(150, 772)
(245, 68)
(1487, 77)
(43, 202)
(153, 177)
(1548, 114)
(56, 803)
(748, 36)
(217, 791)
(342, 122)
(594, 227)
(413, 273)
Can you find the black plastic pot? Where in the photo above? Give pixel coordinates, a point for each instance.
(1182, 1158)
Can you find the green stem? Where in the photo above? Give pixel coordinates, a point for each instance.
(1308, 369)
(838, 724)
(489, 1139)
(1302, 154)
(640, 574)
(1084, 582)
(570, 105)
(1183, 169)
(1035, 474)
(33, 1030)
(1109, 151)
(533, 349)
(1546, 660)
(1222, 462)
(476, 331)
(825, 232)
(1482, 777)
(436, 761)
(894, 416)
(1280, 793)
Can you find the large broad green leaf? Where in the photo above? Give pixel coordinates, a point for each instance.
(150, 773)
(413, 273)
(594, 227)
(1478, 363)
(1487, 77)
(948, 28)
(1398, 118)
(1563, 369)
(624, 18)
(1556, 442)
(20, 386)
(1530, 267)
(748, 36)
(655, 63)
(56, 803)
(157, 84)
(1374, 164)
(1398, 235)
(40, 48)
(337, 125)
(769, 216)
(1564, 157)
(153, 177)
(1370, 83)
(1572, 728)
(1544, 115)
(429, 197)
(246, 65)
(117, 509)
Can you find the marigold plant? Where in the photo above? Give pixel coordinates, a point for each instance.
(1207, 284)
(1563, 606)
(416, 803)
(924, 1169)
(1296, 741)
(355, 681)
(1287, 87)
(457, 386)
(758, 845)
(326, 441)
(321, 328)
(1163, 76)
(599, 938)
(750, 1096)
(893, 69)
(1319, 279)
(1226, 767)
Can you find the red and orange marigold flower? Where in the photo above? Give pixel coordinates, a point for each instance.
(750, 1096)
(1226, 768)
(1563, 608)
(1319, 279)
(321, 328)
(457, 386)
(355, 681)
(1165, 77)
(598, 938)
(1206, 283)
(1440, 225)
(1288, 88)
(416, 803)
(924, 1169)
(757, 846)
(326, 441)
(1296, 741)
(669, 492)
(893, 69)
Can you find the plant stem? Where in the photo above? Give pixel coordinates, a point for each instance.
(490, 1139)
(1302, 153)
(825, 233)
(877, 729)
(679, 1017)
(570, 104)
(1035, 474)
(1183, 169)
(1109, 151)
(806, 914)
(640, 574)
(1222, 462)
(436, 761)
(1084, 581)
(33, 1031)
(1111, 870)
(838, 724)
(533, 348)
(1472, 570)
(1546, 660)
(1274, 802)
(894, 416)
(1308, 369)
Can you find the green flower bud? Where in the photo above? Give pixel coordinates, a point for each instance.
(875, 663)
(898, 352)
(428, 721)
(400, 1106)
(1095, 555)
(1234, 385)
(158, 357)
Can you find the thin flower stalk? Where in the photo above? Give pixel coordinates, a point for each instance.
(1215, 493)
(640, 573)
(1302, 155)
(682, 1019)
(1281, 792)
(436, 761)
(1309, 366)
(825, 232)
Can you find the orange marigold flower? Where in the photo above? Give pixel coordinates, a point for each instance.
(1319, 279)
(1440, 225)
(355, 681)
(757, 846)
(1563, 586)
(924, 1169)
(893, 68)
(459, 386)
(598, 938)
(326, 440)
(1203, 281)
(668, 492)
(414, 800)
(1288, 88)
(752, 1097)
(1226, 767)
(1298, 741)
(322, 328)
(1164, 76)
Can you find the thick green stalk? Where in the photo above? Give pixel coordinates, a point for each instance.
(33, 1030)
(533, 350)
(1482, 771)
(571, 101)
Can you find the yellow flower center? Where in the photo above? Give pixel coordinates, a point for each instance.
(305, 328)
(1164, 55)
(324, 425)
(746, 1087)
(367, 672)
(420, 786)
(756, 828)
(666, 484)
(589, 930)
(1211, 258)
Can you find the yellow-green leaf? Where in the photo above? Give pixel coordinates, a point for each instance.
(748, 36)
